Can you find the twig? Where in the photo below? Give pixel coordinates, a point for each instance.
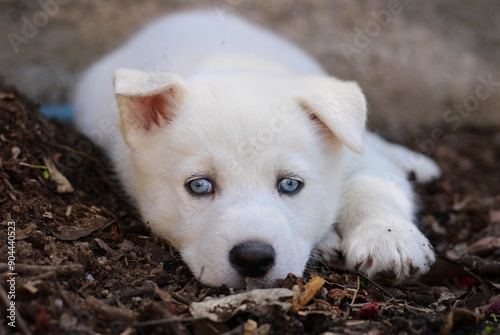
(181, 299)
(479, 264)
(29, 269)
(44, 276)
(163, 321)
(376, 285)
(355, 295)
(63, 184)
(111, 313)
(10, 188)
(128, 331)
(33, 166)
(80, 329)
(163, 295)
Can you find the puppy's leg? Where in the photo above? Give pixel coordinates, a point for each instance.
(377, 230)
(425, 168)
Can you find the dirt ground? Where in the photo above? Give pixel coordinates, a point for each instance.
(86, 265)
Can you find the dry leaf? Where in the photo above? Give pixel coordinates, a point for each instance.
(310, 290)
(81, 229)
(484, 246)
(114, 254)
(222, 309)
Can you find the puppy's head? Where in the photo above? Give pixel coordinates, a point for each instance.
(240, 172)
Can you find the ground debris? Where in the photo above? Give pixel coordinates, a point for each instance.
(63, 185)
(460, 316)
(257, 301)
(87, 265)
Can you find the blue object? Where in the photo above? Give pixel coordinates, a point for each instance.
(63, 113)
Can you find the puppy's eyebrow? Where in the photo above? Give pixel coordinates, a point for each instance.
(288, 174)
(207, 171)
(199, 174)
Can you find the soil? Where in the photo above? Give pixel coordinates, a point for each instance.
(86, 264)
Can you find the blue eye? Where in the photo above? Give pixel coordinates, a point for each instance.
(200, 186)
(289, 185)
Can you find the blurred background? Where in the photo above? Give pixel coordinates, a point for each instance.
(420, 63)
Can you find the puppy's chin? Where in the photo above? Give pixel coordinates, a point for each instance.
(236, 281)
(256, 283)
(242, 283)
(248, 283)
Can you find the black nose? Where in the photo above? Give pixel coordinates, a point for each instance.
(252, 259)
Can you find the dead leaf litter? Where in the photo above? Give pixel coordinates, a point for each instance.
(87, 265)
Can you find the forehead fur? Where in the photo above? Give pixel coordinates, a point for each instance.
(240, 120)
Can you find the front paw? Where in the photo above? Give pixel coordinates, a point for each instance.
(390, 251)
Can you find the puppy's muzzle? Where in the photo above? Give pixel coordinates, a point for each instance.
(253, 258)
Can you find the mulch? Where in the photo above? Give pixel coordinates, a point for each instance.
(86, 264)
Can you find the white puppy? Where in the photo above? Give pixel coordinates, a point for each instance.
(241, 151)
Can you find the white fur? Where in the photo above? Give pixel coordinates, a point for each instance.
(249, 107)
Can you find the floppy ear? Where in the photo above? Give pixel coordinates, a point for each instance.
(338, 105)
(146, 100)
